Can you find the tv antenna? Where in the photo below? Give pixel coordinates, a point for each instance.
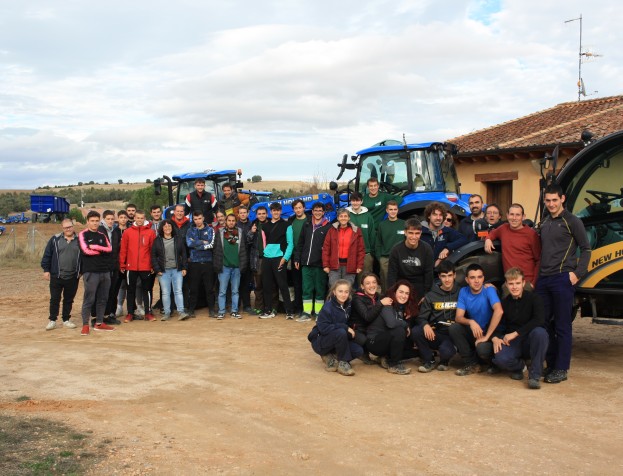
(582, 57)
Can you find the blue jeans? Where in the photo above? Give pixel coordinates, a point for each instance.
(170, 277)
(228, 275)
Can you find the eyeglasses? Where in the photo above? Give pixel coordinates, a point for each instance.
(68, 227)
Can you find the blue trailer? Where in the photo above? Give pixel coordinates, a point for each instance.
(48, 208)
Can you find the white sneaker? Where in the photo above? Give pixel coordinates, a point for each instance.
(51, 325)
(119, 311)
(69, 325)
(140, 311)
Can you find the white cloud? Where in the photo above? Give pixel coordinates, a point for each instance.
(137, 89)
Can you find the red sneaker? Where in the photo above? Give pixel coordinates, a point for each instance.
(103, 327)
(150, 317)
(128, 318)
(85, 330)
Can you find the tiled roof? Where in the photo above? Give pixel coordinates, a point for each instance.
(561, 124)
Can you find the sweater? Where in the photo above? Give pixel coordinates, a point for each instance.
(158, 254)
(521, 315)
(219, 250)
(377, 205)
(50, 259)
(365, 221)
(560, 239)
(414, 265)
(520, 248)
(389, 233)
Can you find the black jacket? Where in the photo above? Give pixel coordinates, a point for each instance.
(158, 258)
(388, 318)
(364, 310)
(115, 242)
(308, 250)
(49, 261)
(218, 252)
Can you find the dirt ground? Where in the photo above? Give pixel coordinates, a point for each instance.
(250, 397)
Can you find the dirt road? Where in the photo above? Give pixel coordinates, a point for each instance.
(250, 397)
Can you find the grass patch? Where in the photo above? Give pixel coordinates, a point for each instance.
(35, 446)
(22, 398)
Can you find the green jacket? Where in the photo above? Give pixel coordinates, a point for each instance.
(388, 234)
(376, 206)
(365, 221)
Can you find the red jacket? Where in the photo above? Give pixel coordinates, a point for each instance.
(136, 243)
(356, 249)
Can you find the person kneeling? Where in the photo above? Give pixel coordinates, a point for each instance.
(524, 334)
(331, 338)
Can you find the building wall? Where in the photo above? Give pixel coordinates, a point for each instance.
(525, 189)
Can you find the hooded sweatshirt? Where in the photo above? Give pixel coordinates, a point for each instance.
(439, 308)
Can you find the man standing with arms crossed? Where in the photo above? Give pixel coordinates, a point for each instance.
(95, 250)
(562, 233)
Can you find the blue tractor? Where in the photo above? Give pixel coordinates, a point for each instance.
(182, 184)
(418, 173)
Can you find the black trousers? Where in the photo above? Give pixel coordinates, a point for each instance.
(465, 343)
(246, 280)
(297, 282)
(147, 280)
(200, 274)
(65, 288)
(389, 343)
(271, 275)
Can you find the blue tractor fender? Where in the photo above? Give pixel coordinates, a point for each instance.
(415, 203)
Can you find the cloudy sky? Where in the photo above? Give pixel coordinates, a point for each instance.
(102, 90)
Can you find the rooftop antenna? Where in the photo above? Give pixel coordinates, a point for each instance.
(582, 56)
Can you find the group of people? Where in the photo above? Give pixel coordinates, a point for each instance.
(529, 319)
(222, 256)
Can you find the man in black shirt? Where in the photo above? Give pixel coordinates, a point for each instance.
(521, 331)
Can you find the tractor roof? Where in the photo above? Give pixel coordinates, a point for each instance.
(204, 175)
(395, 146)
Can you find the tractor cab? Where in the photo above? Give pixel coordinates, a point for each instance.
(419, 173)
(181, 185)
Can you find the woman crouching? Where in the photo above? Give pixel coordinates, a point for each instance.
(387, 334)
(331, 338)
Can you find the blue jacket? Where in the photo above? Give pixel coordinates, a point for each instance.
(447, 237)
(333, 316)
(49, 261)
(200, 244)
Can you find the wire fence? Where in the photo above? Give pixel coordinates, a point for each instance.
(15, 245)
